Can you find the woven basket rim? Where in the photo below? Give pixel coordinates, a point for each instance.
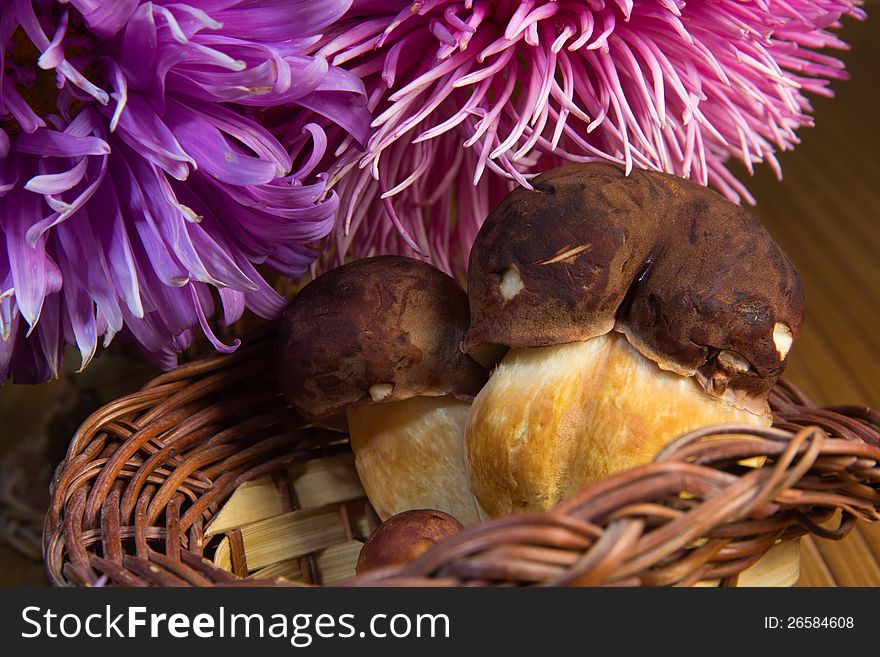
(144, 475)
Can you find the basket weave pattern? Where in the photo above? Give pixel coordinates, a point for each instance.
(145, 475)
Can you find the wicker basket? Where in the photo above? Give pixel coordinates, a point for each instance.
(143, 497)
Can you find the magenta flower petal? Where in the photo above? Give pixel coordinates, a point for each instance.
(669, 85)
(136, 175)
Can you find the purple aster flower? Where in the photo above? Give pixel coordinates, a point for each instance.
(138, 190)
(472, 96)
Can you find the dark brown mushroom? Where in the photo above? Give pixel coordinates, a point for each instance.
(636, 308)
(379, 340)
(405, 537)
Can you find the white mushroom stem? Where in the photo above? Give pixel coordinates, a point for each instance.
(410, 455)
(552, 419)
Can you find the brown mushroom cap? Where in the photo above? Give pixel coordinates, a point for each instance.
(695, 282)
(379, 329)
(405, 537)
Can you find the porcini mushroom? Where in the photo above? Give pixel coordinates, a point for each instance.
(635, 308)
(379, 340)
(405, 537)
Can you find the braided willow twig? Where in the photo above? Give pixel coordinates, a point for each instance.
(144, 475)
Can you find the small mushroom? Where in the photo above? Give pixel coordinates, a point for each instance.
(379, 340)
(405, 537)
(635, 308)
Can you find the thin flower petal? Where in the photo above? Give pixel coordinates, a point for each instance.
(105, 18)
(55, 183)
(519, 86)
(52, 143)
(270, 20)
(140, 178)
(209, 333)
(212, 153)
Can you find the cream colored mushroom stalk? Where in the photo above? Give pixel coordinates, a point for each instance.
(634, 309)
(376, 344)
(410, 455)
(554, 418)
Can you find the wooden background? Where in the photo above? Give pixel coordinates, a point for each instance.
(826, 214)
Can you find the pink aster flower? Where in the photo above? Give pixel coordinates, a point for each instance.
(472, 96)
(138, 189)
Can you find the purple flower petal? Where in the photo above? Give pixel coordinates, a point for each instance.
(48, 142)
(157, 182)
(8, 306)
(96, 168)
(4, 144)
(83, 323)
(29, 22)
(111, 226)
(267, 79)
(32, 270)
(338, 79)
(8, 176)
(233, 305)
(347, 111)
(49, 334)
(55, 183)
(53, 55)
(133, 206)
(106, 18)
(206, 328)
(8, 342)
(246, 130)
(211, 151)
(76, 253)
(278, 20)
(15, 105)
(145, 132)
(139, 51)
